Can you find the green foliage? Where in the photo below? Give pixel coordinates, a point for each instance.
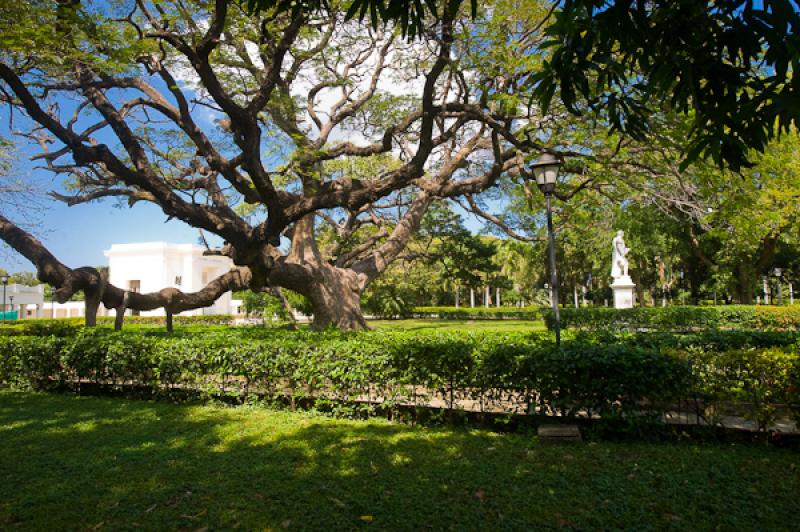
(479, 313)
(729, 62)
(465, 258)
(412, 17)
(388, 301)
(759, 378)
(69, 326)
(619, 377)
(677, 318)
(267, 306)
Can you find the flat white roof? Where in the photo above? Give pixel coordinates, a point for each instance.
(139, 248)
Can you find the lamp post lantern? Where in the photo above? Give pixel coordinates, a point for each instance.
(4, 280)
(545, 170)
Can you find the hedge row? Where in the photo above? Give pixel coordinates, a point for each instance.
(479, 313)
(672, 318)
(69, 326)
(676, 318)
(205, 319)
(486, 371)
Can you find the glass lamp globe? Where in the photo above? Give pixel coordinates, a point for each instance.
(545, 169)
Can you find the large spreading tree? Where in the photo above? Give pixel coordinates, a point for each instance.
(267, 129)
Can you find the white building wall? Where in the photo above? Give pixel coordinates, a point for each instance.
(155, 265)
(19, 297)
(158, 265)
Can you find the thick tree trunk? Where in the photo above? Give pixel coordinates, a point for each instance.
(335, 293)
(336, 299)
(744, 285)
(91, 304)
(93, 295)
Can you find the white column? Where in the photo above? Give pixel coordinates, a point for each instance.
(791, 294)
(472, 298)
(583, 296)
(456, 297)
(487, 297)
(575, 295)
(497, 297)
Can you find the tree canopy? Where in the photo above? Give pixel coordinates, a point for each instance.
(323, 150)
(733, 64)
(268, 128)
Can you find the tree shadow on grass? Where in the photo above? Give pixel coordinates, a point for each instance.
(70, 463)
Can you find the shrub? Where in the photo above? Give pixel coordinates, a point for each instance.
(678, 318)
(205, 319)
(748, 381)
(620, 376)
(387, 301)
(479, 313)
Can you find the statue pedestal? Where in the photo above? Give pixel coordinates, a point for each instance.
(623, 292)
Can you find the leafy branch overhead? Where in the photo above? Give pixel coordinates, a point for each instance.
(409, 15)
(733, 65)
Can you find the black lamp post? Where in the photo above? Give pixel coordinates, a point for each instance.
(4, 280)
(546, 172)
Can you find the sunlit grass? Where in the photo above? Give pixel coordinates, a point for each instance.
(111, 464)
(465, 325)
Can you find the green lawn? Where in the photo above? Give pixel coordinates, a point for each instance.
(410, 324)
(111, 464)
(464, 325)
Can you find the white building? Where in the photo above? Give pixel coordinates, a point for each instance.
(143, 267)
(151, 266)
(28, 300)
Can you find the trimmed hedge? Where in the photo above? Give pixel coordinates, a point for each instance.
(615, 377)
(479, 313)
(672, 318)
(69, 326)
(678, 318)
(205, 319)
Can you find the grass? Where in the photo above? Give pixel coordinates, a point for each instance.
(403, 325)
(465, 325)
(111, 464)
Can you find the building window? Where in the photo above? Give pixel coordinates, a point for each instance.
(178, 280)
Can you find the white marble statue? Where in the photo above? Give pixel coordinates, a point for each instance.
(619, 261)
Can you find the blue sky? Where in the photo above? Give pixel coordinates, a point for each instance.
(78, 235)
